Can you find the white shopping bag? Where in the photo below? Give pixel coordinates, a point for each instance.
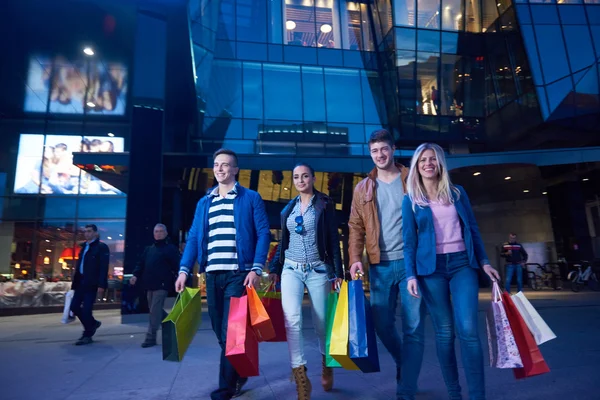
(504, 352)
(538, 327)
(67, 313)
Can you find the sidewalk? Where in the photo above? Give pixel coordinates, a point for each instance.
(39, 360)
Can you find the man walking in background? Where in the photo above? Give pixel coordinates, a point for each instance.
(157, 268)
(516, 257)
(90, 281)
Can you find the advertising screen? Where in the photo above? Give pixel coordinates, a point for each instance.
(72, 86)
(45, 165)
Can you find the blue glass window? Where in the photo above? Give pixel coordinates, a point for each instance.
(572, 14)
(558, 91)
(593, 12)
(300, 55)
(98, 207)
(252, 51)
(275, 53)
(449, 42)
(59, 207)
(343, 93)
(371, 89)
(222, 127)
(544, 14)
(405, 39)
(332, 57)
(313, 88)
(596, 37)
(523, 14)
(282, 91)
(428, 41)
(579, 46)
(252, 128)
(251, 18)
(552, 52)
(226, 28)
(588, 83)
(532, 54)
(253, 98)
(225, 89)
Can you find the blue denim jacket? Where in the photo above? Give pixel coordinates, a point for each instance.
(252, 233)
(419, 236)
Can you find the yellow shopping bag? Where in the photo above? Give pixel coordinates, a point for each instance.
(338, 348)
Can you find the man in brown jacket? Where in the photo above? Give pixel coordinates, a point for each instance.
(376, 222)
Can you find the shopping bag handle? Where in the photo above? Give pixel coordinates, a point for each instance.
(496, 292)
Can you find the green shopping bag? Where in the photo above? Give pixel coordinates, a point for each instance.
(180, 326)
(332, 300)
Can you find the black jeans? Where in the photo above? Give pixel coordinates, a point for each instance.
(220, 287)
(82, 306)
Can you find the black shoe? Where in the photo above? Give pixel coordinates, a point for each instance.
(238, 387)
(98, 324)
(149, 343)
(83, 341)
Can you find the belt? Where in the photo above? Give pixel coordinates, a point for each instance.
(303, 266)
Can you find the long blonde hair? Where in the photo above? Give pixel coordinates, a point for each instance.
(414, 185)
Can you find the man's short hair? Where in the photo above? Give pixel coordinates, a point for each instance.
(226, 152)
(61, 146)
(161, 226)
(93, 226)
(512, 234)
(381, 135)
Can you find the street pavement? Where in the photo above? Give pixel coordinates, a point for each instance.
(40, 361)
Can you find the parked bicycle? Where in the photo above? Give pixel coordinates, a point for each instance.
(580, 277)
(544, 277)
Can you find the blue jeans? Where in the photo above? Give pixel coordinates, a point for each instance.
(221, 286)
(510, 271)
(387, 281)
(455, 277)
(293, 280)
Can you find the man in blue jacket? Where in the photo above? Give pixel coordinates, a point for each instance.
(230, 240)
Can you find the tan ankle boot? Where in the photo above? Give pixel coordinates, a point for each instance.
(303, 385)
(326, 377)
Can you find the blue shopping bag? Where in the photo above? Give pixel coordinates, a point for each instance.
(362, 342)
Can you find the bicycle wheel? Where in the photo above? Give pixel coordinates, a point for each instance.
(574, 280)
(593, 282)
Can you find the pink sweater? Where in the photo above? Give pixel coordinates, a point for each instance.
(448, 231)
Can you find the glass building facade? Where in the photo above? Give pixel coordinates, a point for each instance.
(114, 119)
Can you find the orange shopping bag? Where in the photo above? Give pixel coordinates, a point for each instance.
(259, 319)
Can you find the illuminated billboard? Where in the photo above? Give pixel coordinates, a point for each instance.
(62, 86)
(45, 165)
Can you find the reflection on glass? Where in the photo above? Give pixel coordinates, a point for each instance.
(428, 14)
(452, 15)
(427, 83)
(404, 12)
(57, 251)
(343, 93)
(357, 36)
(448, 89)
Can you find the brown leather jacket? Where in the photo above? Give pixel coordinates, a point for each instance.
(364, 221)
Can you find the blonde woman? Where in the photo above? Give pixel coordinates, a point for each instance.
(443, 250)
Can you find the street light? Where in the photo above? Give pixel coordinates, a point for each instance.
(88, 51)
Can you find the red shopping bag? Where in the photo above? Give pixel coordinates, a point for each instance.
(533, 361)
(271, 299)
(241, 348)
(259, 317)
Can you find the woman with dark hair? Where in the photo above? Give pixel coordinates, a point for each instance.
(308, 256)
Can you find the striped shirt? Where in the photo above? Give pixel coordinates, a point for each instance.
(222, 252)
(303, 246)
